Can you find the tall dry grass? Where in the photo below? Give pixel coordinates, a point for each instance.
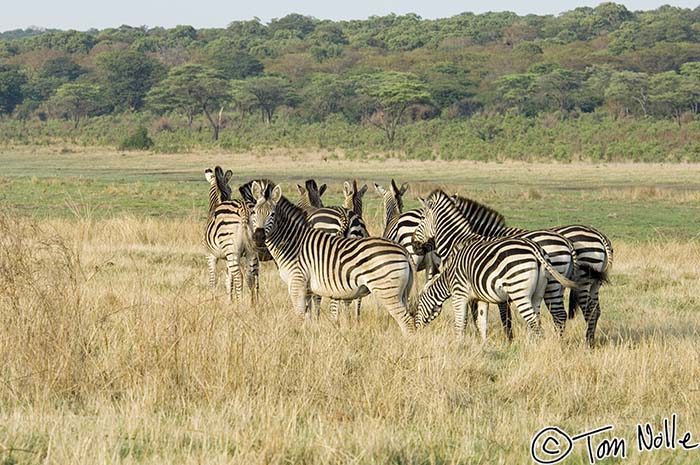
(114, 350)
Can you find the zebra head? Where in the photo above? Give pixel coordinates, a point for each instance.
(429, 305)
(219, 189)
(262, 217)
(310, 194)
(353, 196)
(434, 208)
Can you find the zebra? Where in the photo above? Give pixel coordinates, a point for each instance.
(489, 223)
(338, 221)
(399, 226)
(593, 253)
(353, 196)
(227, 237)
(313, 262)
(495, 270)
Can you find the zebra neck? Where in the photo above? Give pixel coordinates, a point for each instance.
(214, 199)
(287, 231)
(438, 290)
(391, 210)
(452, 229)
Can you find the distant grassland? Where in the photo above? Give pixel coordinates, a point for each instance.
(635, 202)
(114, 350)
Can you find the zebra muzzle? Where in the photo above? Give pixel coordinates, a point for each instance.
(259, 237)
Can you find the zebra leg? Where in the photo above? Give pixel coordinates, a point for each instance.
(474, 310)
(335, 304)
(591, 313)
(297, 287)
(460, 304)
(234, 277)
(251, 277)
(506, 320)
(398, 309)
(211, 266)
(316, 307)
(554, 299)
(358, 303)
(482, 319)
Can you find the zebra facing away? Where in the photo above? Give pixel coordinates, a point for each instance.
(496, 270)
(311, 261)
(227, 236)
(399, 226)
(353, 196)
(593, 252)
(489, 223)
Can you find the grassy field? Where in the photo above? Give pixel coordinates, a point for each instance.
(114, 350)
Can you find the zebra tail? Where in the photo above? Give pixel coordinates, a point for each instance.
(413, 291)
(573, 303)
(544, 259)
(609, 253)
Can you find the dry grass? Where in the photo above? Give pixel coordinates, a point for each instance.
(113, 349)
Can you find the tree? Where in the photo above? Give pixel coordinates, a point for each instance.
(192, 89)
(393, 93)
(628, 89)
(11, 82)
(559, 87)
(128, 76)
(63, 68)
(668, 95)
(690, 75)
(76, 99)
(270, 93)
(515, 91)
(323, 95)
(232, 62)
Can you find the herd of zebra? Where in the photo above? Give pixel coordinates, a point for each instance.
(465, 248)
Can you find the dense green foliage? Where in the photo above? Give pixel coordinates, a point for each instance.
(139, 140)
(495, 80)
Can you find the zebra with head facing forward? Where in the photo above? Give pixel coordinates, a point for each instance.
(592, 252)
(227, 237)
(488, 271)
(313, 262)
(399, 226)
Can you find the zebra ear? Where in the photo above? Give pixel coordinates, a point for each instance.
(395, 188)
(322, 189)
(209, 175)
(347, 189)
(362, 191)
(228, 176)
(301, 189)
(404, 188)
(380, 190)
(423, 202)
(276, 194)
(257, 190)
(453, 198)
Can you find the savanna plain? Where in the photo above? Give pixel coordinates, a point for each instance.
(113, 348)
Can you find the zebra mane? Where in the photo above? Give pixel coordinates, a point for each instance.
(246, 189)
(287, 212)
(474, 210)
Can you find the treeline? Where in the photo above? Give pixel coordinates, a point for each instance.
(469, 71)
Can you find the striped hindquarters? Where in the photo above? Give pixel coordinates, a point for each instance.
(225, 231)
(593, 248)
(488, 265)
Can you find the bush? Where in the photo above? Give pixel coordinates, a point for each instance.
(139, 140)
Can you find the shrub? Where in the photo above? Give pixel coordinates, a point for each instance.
(139, 140)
